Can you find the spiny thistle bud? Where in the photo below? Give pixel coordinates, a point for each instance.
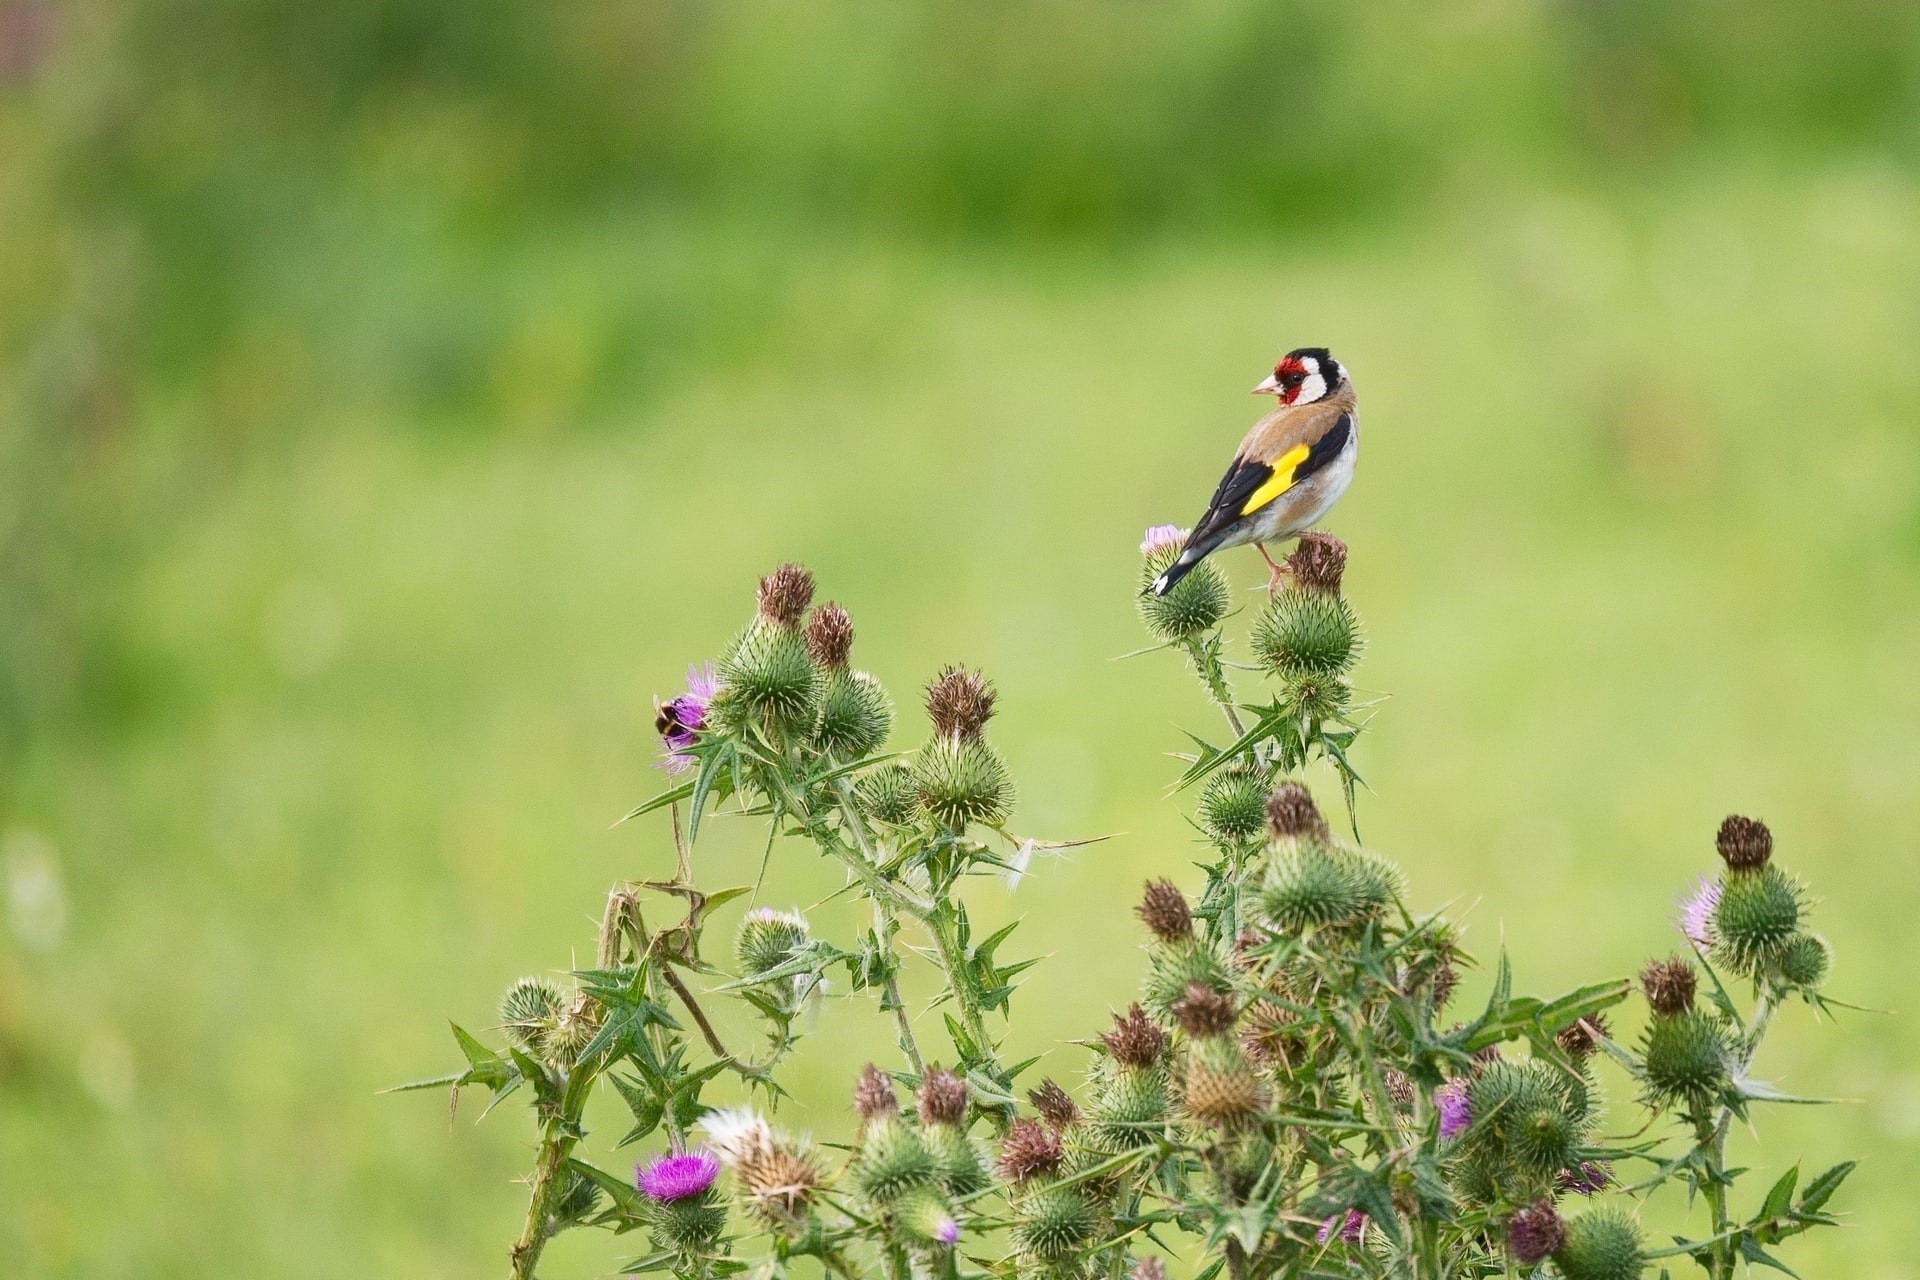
(776, 1179)
(855, 715)
(1292, 812)
(1135, 1041)
(1171, 968)
(925, 1218)
(961, 1167)
(1315, 697)
(1164, 910)
(1054, 1222)
(1306, 633)
(830, 636)
(1602, 1244)
(1314, 885)
(1204, 1011)
(887, 794)
(959, 702)
(530, 1009)
(873, 1095)
(892, 1159)
(578, 1024)
(1757, 916)
(1193, 605)
(1669, 985)
(768, 939)
(1318, 562)
(943, 1097)
(1534, 1233)
(1583, 1037)
(767, 679)
(1685, 1057)
(1222, 1089)
(1233, 807)
(1130, 1105)
(1055, 1105)
(1029, 1150)
(1744, 843)
(1519, 1111)
(785, 594)
(1805, 961)
(1270, 1033)
(959, 781)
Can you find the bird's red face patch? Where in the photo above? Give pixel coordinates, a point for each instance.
(1291, 374)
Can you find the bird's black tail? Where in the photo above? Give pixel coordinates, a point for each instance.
(1190, 558)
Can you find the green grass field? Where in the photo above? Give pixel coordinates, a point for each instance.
(332, 653)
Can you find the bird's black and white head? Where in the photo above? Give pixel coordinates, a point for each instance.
(1303, 375)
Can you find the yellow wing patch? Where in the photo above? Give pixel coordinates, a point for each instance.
(1279, 482)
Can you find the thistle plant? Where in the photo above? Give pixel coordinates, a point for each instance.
(1293, 1092)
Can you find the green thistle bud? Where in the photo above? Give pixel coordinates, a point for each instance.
(1805, 961)
(1315, 698)
(1054, 1222)
(768, 939)
(960, 781)
(1601, 1244)
(1543, 1139)
(891, 1161)
(687, 1225)
(1307, 633)
(530, 1009)
(1686, 1058)
(578, 1201)
(1523, 1130)
(1128, 1105)
(855, 714)
(886, 794)
(1171, 969)
(957, 1159)
(578, 1024)
(1192, 606)
(1233, 808)
(1221, 1087)
(1757, 916)
(768, 679)
(1317, 885)
(925, 1218)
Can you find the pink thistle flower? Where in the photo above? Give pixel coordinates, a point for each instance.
(1450, 1100)
(1350, 1229)
(680, 720)
(677, 1177)
(1162, 537)
(947, 1231)
(1696, 911)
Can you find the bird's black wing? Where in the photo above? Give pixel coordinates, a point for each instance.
(1250, 485)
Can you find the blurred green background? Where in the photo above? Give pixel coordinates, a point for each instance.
(395, 398)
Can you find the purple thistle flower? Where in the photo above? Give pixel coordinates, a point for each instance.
(677, 1176)
(1162, 537)
(946, 1231)
(1696, 911)
(679, 720)
(1450, 1099)
(1351, 1229)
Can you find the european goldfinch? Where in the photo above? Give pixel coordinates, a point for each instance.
(1289, 471)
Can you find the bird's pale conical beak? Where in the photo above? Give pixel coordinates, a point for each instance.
(1270, 387)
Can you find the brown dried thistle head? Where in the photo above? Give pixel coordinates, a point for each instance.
(943, 1097)
(830, 636)
(1744, 843)
(1582, 1038)
(1203, 1011)
(1669, 985)
(1164, 910)
(1028, 1150)
(873, 1095)
(959, 702)
(785, 594)
(1055, 1105)
(1318, 561)
(1135, 1041)
(1292, 812)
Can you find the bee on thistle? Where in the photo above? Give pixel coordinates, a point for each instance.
(1288, 472)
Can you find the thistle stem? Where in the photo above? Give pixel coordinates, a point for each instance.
(554, 1148)
(1205, 656)
(889, 926)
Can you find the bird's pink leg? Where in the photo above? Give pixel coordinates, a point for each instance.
(1277, 573)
